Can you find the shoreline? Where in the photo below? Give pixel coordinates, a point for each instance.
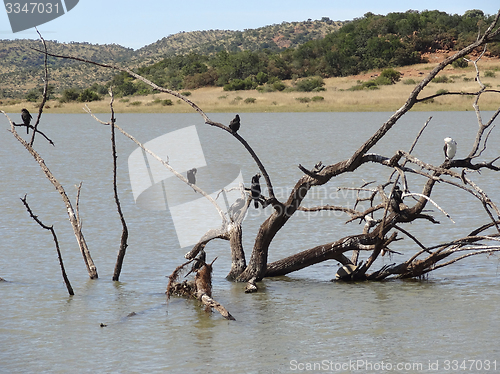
(336, 98)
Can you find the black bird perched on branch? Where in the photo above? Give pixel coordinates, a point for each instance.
(396, 199)
(191, 176)
(235, 123)
(255, 190)
(26, 117)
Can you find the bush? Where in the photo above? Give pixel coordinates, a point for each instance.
(441, 79)
(261, 77)
(409, 81)
(303, 99)
(186, 93)
(241, 84)
(310, 84)
(32, 96)
(70, 94)
(167, 102)
(250, 100)
(489, 74)
(317, 98)
(136, 103)
(278, 85)
(460, 63)
(88, 95)
(391, 74)
(383, 81)
(442, 91)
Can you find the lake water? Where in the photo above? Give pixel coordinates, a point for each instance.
(302, 321)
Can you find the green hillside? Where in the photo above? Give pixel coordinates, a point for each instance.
(21, 67)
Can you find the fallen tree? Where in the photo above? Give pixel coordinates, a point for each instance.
(389, 207)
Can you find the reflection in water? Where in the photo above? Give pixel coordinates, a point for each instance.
(303, 317)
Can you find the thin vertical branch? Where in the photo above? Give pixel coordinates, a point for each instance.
(124, 238)
(45, 89)
(54, 236)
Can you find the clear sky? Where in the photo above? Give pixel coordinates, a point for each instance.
(135, 24)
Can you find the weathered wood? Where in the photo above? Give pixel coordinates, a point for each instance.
(75, 223)
(54, 236)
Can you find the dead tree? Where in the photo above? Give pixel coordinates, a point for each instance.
(73, 217)
(54, 236)
(124, 238)
(383, 218)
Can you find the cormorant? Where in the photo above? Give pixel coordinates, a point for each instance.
(396, 199)
(191, 176)
(235, 123)
(26, 117)
(450, 148)
(255, 190)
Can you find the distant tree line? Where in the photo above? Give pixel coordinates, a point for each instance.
(370, 42)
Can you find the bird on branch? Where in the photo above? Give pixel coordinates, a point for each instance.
(255, 190)
(191, 176)
(26, 117)
(450, 148)
(396, 199)
(235, 123)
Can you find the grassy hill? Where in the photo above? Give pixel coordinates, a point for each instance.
(21, 67)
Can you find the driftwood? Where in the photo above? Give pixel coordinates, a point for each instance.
(199, 288)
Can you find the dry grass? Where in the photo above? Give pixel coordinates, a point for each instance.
(337, 97)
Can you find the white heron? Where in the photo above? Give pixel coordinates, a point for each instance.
(450, 148)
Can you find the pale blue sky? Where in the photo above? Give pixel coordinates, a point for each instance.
(135, 24)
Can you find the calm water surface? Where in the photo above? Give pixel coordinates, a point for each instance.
(295, 320)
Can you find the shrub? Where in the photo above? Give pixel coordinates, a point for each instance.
(241, 84)
(383, 81)
(88, 95)
(317, 98)
(441, 79)
(278, 85)
(409, 81)
(442, 91)
(489, 74)
(136, 103)
(250, 100)
(32, 96)
(391, 74)
(303, 99)
(261, 77)
(167, 102)
(460, 63)
(309, 84)
(186, 93)
(70, 94)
